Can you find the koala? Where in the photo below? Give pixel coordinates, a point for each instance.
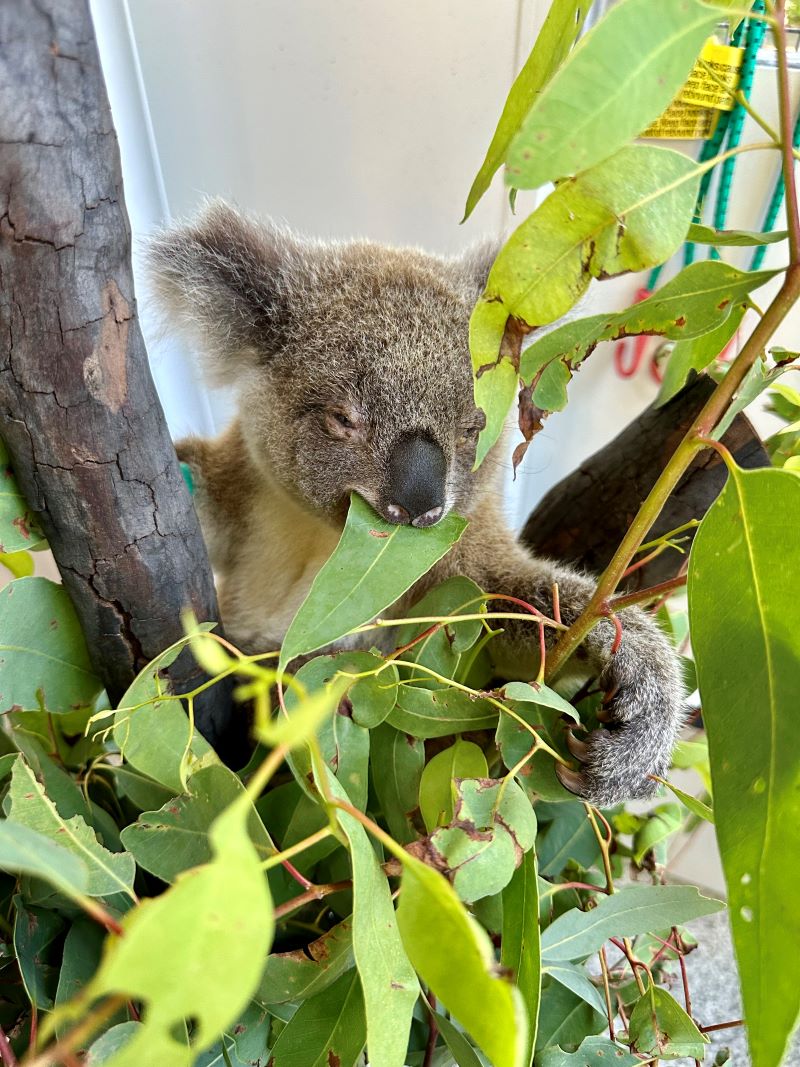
(352, 372)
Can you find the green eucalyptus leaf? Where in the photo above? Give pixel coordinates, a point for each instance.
(694, 302)
(520, 949)
(569, 837)
(330, 1028)
(561, 27)
(112, 1042)
(390, 987)
(695, 354)
(745, 619)
(592, 1052)
(153, 731)
(39, 959)
(109, 872)
(694, 804)
(625, 214)
(757, 379)
(662, 822)
(619, 78)
(706, 235)
(43, 656)
(441, 650)
(577, 980)
(457, 1042)
(83, 949)
(175, 838)
(19, 529)
(437, 787)
(545, 711)
(214, 927)
(20, 564)
(494, 372)
(492, 827)
(295, 976)
(626, 913)
(660, 1027)
(23, 851)
(374, 563)
(564, 1018)
(396, 763)
(453, 955)
(369, 699)
(439, 713)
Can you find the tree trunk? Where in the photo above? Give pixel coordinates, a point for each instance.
(80, 414)
(583, 519)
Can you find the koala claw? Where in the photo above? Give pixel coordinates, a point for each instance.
(578, 748)
(571, 780)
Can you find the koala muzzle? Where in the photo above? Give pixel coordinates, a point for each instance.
(416, 488)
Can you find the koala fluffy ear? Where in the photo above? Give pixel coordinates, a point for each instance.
(474, 265)
(223, 279)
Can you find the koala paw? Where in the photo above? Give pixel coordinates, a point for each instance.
(619, 761)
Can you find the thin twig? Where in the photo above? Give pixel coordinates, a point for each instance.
(6, 1051)
(316, 892)
(720, 1026)
(433, 1030)
(607, 991)
(641, 595)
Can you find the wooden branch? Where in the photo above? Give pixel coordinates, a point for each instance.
(583, 519)
(79, 410)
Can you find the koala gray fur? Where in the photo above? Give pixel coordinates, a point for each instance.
(346, 357)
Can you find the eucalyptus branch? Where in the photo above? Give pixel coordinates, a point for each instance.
(690, 446)
(641, 596)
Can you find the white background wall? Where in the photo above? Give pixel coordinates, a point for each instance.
(354, 118)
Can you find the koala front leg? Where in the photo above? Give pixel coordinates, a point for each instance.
(646, 707)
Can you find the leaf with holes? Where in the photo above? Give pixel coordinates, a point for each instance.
(693, 355)
(660, 1028)
(371, 567)
(492, 827)
(215, 928)
(619, 78)
(592, 1052)
(304, 972)
(437, 788)
(745, 622)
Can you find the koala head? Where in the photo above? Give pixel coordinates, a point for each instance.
(351, 361)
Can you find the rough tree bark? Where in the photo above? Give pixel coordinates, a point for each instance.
(80, 414)
(583, 519)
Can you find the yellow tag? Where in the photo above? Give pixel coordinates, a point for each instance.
(683, 122)
(702, 89)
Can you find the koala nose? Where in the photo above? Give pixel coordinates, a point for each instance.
(417, 473)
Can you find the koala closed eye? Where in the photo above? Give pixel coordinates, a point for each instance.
(343, 425)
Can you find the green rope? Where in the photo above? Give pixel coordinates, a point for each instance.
(188, 477)
(775, 203)
(711, 147)
(756, 29)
